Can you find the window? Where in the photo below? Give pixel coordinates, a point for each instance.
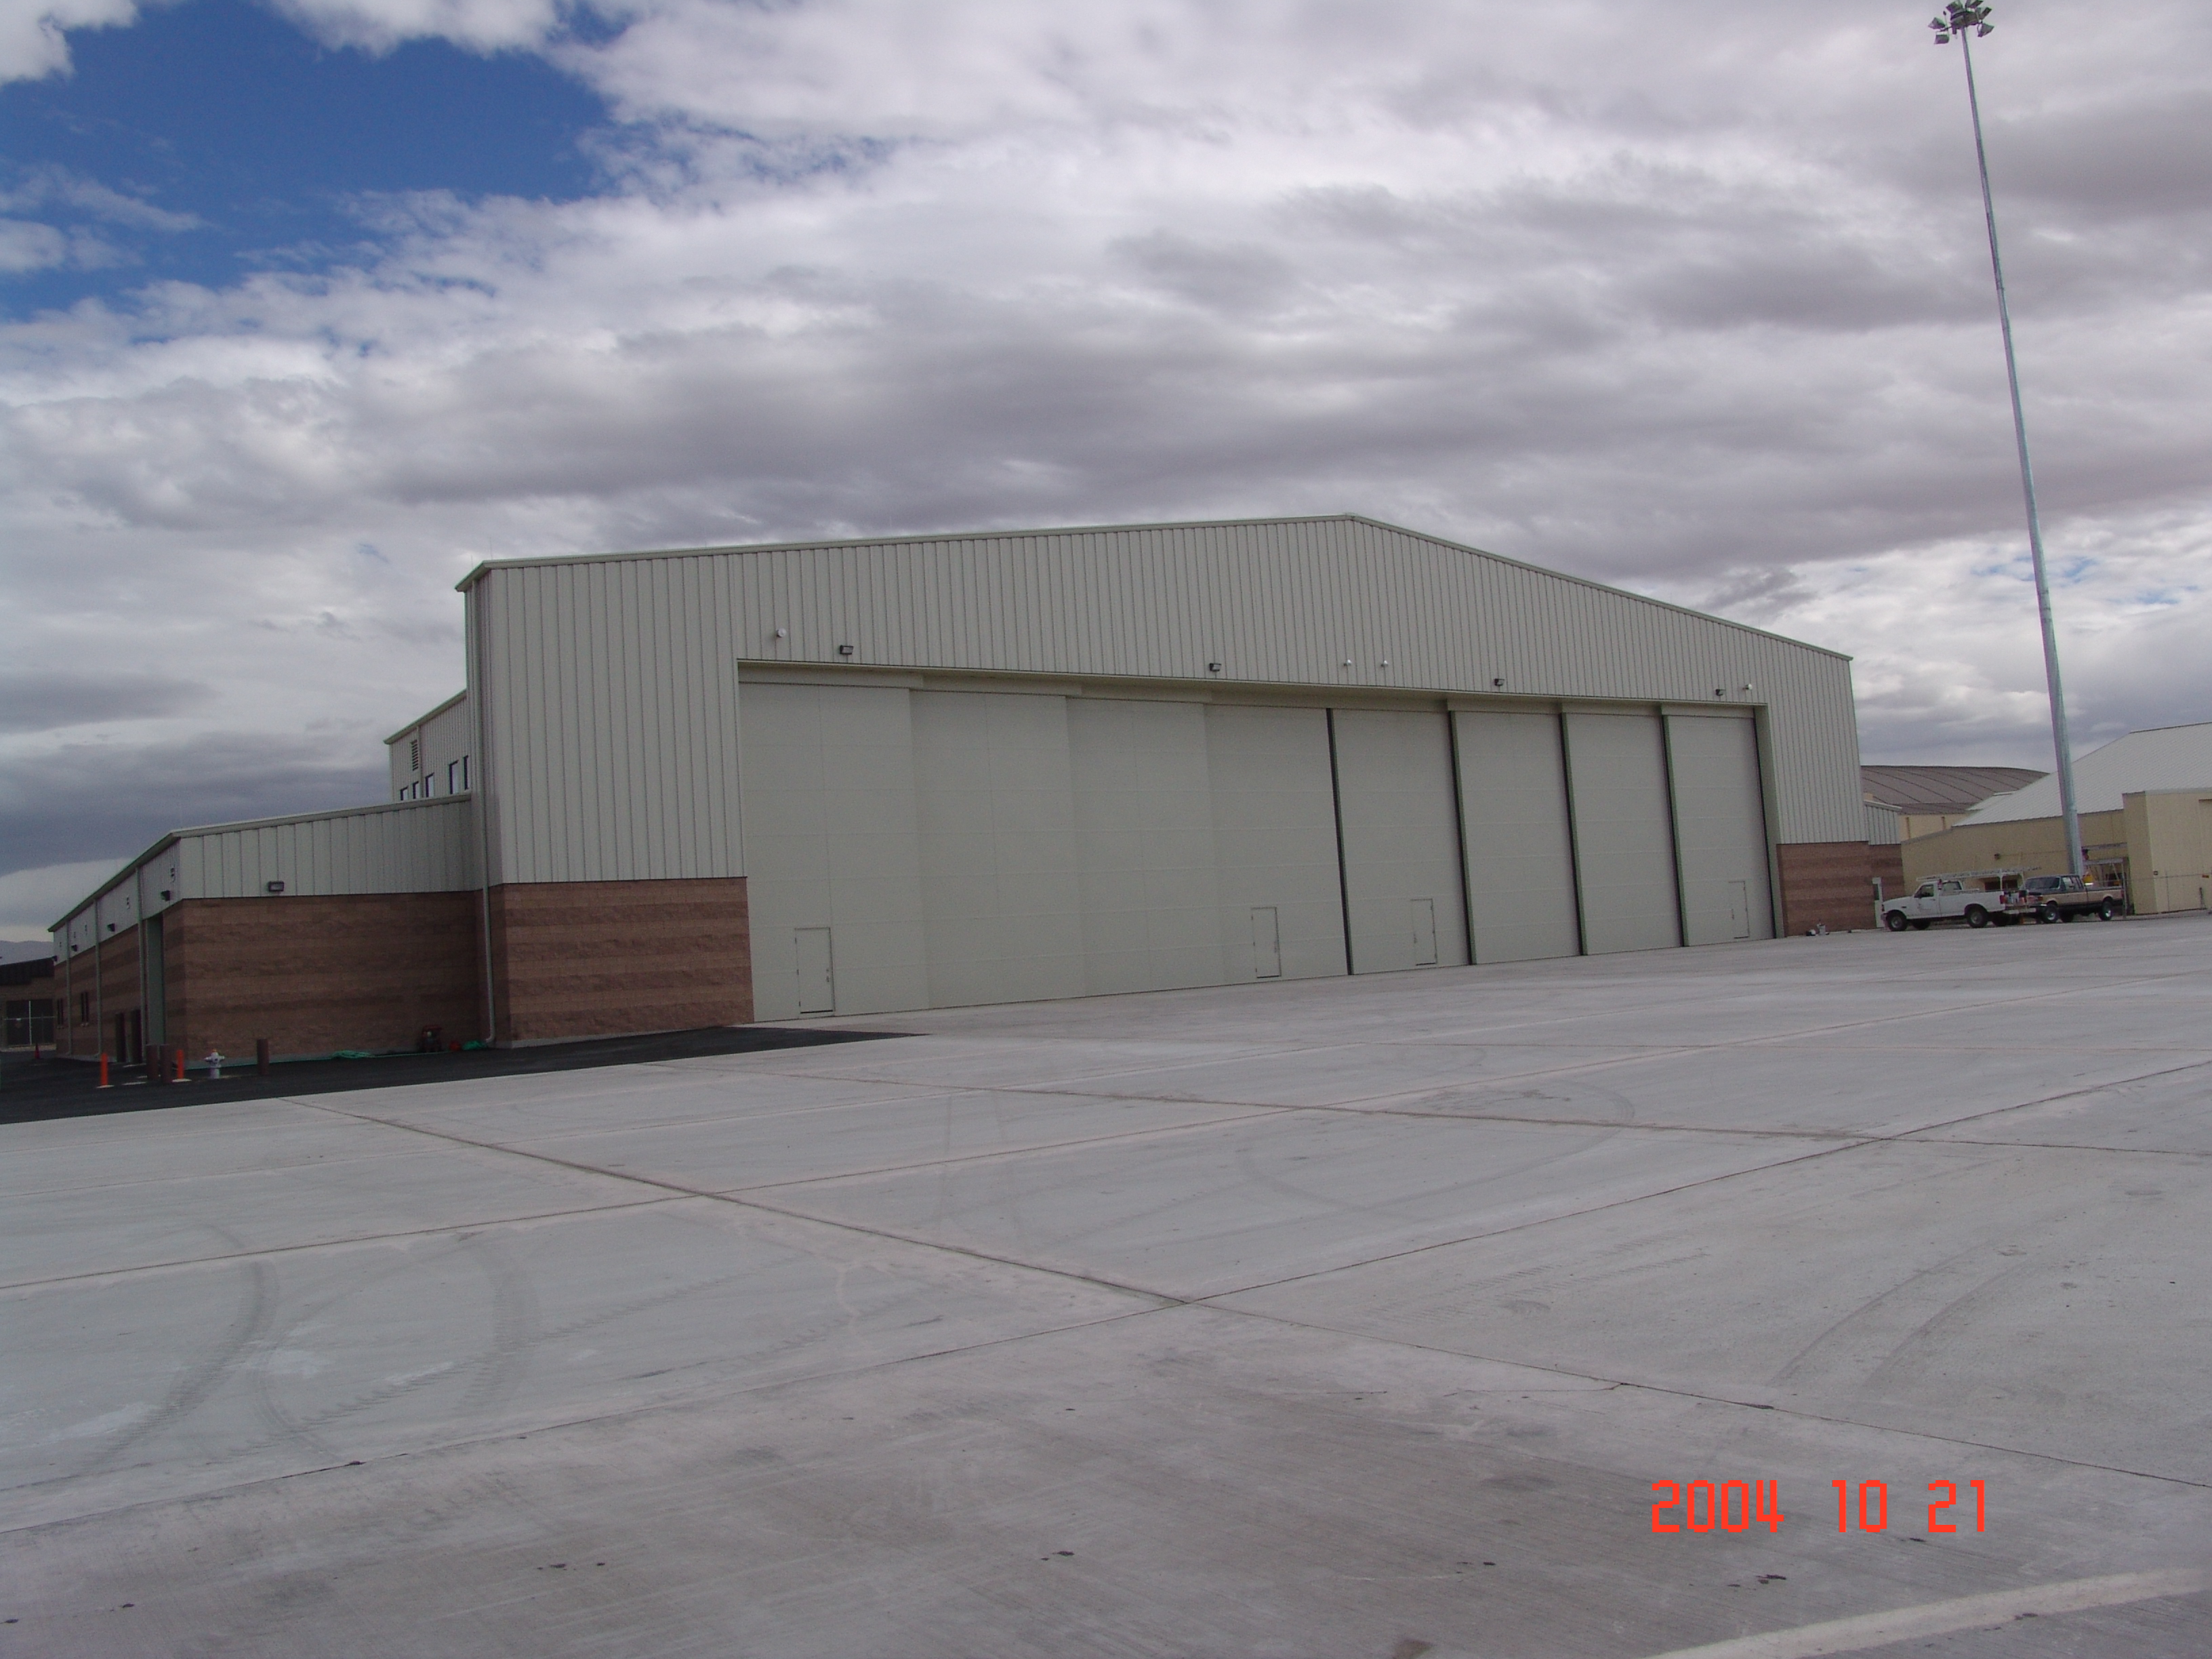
(454, 783)
(415, 754)
(84, 1007)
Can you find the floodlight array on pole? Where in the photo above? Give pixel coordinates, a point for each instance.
(1971, 21)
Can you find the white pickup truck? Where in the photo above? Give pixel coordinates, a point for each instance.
(1976, 897)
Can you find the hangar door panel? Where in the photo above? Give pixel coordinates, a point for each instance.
(831, 841)
(1274, 837)
(1520, 858)
(1144, 826)
(1001, 900)
(1400, 825)
(1623, 832)
(1720, 828)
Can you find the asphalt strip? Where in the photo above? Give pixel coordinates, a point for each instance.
(1988, 1612)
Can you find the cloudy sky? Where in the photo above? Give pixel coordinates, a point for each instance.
(308, 306)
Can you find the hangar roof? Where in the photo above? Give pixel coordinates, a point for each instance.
(1105, 534)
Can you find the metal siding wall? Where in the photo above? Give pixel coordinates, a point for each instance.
(611, 718)
(1520, 856)
(1400, 830)
(1274, 820)
(420, 847)
(832, 841)
(1720, 828)
(1623, 833)
(444, 740)
(611, 692)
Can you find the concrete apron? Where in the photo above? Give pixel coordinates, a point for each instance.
(1345, 1318)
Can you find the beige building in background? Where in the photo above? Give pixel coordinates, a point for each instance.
(2146, 808)
(2169, 834)
(2035, 847)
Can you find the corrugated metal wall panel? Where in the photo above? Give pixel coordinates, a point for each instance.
(609, 714)
(415, 846)
(1286, 603)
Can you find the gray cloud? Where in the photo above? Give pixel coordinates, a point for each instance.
(1631, 290)
(98, 799)
(55, 699)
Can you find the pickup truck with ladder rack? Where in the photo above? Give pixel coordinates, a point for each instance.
(1981, 898)
(1976, 897)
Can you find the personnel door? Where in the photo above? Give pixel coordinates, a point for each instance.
(1267, 943)
(818, 984)
(1425, 932)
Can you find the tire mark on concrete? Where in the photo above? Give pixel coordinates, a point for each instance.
(497, 1373)
(248, 1326)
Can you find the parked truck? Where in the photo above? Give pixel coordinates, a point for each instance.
(1976, 897)
(2061, 898)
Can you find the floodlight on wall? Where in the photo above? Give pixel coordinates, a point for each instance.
(844, 650)
(1498, 684)
(1214, 668)
(783, 633)
(273, 887)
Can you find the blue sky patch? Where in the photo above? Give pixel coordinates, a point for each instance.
(211, 139)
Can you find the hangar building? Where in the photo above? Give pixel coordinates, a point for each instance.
(695, 788)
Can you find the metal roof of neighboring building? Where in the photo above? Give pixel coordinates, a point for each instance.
(2163, 757)
(1936, 790)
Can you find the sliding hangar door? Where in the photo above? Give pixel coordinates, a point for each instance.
(912, 848)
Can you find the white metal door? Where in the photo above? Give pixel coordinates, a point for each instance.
(1425, 932)
(817, 985)
(1393, 774)
(1520, 862)
(1720, 828)
(1267, 943)
(1624, 838)
(1274, 835)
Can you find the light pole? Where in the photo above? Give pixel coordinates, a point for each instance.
(1969, 21)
